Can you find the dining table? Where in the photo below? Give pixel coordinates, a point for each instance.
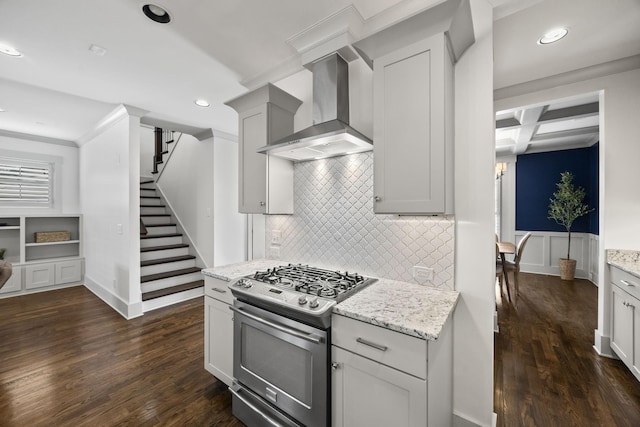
(506, 248)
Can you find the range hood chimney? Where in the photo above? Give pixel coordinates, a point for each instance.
(330, 134)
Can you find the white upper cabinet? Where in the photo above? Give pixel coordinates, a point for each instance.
(413, 130)
(265, 182)
(413, 93)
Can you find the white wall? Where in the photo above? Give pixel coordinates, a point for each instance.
(110, 207)
(200, 184)
(229, 226)
(474, 213)
(66, 196)
(619, 204)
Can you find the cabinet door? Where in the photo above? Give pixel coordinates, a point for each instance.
(366, 393)
(634, 305)
(68, 272)
(39, 275)
(621, 325)
(252, 165)
(218, 337)
(409, 129)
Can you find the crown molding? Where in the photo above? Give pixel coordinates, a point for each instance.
(37, 138)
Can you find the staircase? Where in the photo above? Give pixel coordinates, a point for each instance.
(168, 272)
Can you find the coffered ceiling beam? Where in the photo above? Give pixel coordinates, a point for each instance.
(577, 111)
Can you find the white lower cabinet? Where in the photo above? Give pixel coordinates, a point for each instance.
(52, 273)
(218, 330)
(367, 393)
(381, 377)
(625, 318)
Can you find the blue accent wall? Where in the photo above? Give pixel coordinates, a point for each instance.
(536, 178)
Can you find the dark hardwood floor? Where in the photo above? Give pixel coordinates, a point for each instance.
(67, 359)
(546, 371)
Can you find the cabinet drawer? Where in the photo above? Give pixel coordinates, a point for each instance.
(403, 352)
(217, 289)
(625, 281)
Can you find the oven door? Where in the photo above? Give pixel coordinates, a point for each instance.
(282, 361)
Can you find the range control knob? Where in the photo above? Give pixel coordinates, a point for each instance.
(244, 283)
(302, 300)
(313, 302)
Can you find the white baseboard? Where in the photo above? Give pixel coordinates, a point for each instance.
(461, 421)
(602, 345)
(126, 310)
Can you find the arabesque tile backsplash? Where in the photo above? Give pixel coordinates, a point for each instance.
(334, 226)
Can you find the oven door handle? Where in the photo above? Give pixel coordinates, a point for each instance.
(295, 332)
(253, 407)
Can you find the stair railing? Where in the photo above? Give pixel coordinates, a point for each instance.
(163, 140)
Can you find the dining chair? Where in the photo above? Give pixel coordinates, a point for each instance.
(500, 273)
(514, 266)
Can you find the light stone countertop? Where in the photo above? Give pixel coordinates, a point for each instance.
(626, 260)
(235, 271)
(416, 310)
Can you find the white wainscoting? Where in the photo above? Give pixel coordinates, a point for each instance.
(545, 248)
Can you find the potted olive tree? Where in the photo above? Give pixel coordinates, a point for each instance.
(567, 205)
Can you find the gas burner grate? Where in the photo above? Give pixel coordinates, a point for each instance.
(312, 280)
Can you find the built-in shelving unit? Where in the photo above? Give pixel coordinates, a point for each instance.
(38, 265)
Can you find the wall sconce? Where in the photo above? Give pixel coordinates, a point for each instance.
(501, 168)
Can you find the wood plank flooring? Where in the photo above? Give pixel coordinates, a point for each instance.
(546, 371)
(67, 359)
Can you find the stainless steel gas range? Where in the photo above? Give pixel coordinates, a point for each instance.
(282, 343)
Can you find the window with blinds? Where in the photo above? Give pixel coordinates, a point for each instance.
(26, 183)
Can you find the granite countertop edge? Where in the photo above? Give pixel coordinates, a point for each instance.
(416, 310)
(626, 260)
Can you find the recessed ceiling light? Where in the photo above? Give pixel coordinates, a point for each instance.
(8, 50)
(156, 13)
(202, 103)
(553, 36)
(2, 110)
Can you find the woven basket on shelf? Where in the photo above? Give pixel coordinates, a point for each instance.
(51, 236)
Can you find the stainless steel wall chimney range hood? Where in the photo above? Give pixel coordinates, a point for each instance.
(330, 134)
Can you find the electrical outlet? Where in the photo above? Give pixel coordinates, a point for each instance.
(274, 252)
(422, 274)
(276, 237)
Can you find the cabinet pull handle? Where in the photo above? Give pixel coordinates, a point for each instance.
(335, 366)
(222, 291)
(372, 344)
(377, 198)
(262, 203)
(627, 283)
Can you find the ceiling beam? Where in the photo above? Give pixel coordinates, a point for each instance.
(584, 110)
(529, 118)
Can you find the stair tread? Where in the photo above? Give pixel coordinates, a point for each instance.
(164, 214)
(146, 182)
(152, 206)
(164, 247)
(160, 236)
(167, 274)
(166, 260)
(160, 225)
(172, 290)
(150, 197)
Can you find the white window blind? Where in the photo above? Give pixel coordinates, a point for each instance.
(25, 183)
